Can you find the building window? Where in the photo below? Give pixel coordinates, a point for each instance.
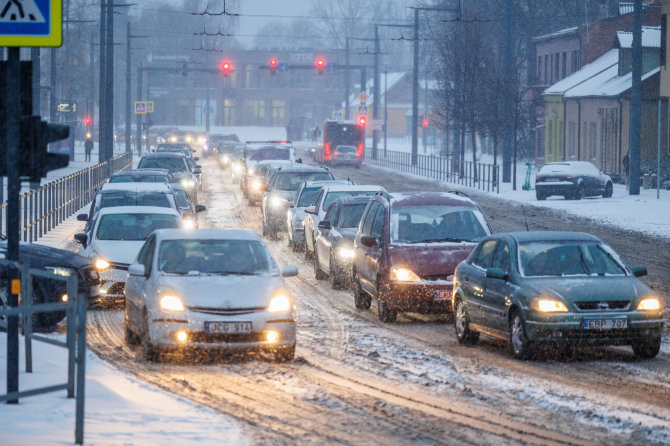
(278, 113)
(564, 65)
(575, 61)
(539, 71)
(546, 68)
(592, 142)
(557, 67)
(229, 112)
(572, 139)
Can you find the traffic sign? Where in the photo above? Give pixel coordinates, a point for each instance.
(150, 106)
(140, 107)
(331, 67)
(36, 23)
(283, 66)
(362, 110)
(363, 97)
(338, 115)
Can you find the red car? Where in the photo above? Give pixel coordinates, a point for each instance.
(407, 248)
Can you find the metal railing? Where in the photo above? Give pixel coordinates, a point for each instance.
(75, 338)
(480, 176)
(45, 208)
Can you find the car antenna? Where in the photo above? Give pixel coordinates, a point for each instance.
(525, 220)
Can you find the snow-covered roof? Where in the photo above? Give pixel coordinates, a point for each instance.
(392, 79)
(651, 38)
(612, 86)
(603, 63)
(560, 33)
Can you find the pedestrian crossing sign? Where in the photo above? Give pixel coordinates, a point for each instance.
(150, 106)
(362, 110)
(141, 107)
(31, 23)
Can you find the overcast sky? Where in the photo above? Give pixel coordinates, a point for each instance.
(250, 25)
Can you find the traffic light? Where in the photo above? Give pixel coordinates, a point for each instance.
(34, 159)
(273, 66)
(226, 68)
(425, 123)
(88, 121)
(362, 121)
(320, 65)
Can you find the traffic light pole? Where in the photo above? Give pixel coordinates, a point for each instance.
(13, 211)
(415, 91)
(347, 106)
(128, 149)
(375, 98)
(102, 109)
(138, 122)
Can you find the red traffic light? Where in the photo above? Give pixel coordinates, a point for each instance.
(362, 121)
(226, 67)
(273, 63)
(320, 63)
(425, 123)
(88, 120)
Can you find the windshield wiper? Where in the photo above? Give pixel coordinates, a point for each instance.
(443, 239)
(232, 273)
(583, 260)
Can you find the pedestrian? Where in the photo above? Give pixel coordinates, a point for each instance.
(626, 167)
(88, 147)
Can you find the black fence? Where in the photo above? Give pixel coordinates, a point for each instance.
(480, 176)
(45, 208)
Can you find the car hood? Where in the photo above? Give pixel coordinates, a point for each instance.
(217, 291)
(429, 259)
(287, 194)
(117, 251)
(589, 288)
(39, 256)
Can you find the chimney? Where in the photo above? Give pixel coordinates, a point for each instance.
(603, 11)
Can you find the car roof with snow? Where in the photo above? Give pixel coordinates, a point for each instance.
(141, 172)
(179, 154)
(209, 234)
(539, 236)
(430, 199)
(322, 183)
(135, 187)
(137, 210)
(353, 188)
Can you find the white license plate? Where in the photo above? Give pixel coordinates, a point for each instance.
(442, 295)
(605, 324)
(228, 327)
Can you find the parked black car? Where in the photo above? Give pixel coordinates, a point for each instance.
(50, 290)
(572, 179)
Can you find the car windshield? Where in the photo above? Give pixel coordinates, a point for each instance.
(332, 196)
(113, 199)
(183, 201)
(134, 227)
(346, 149)
(568, 258)
(171, 164)
(432, 224)
(271, 153)
(293, 180)
(350, 215)
(139, 179)
(238, 257)
(307, 196)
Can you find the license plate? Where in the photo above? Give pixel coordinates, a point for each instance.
(228, 327)
(442, 295)
(550, 180)
(605, 324)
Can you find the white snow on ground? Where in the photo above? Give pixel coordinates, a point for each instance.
(119, 409)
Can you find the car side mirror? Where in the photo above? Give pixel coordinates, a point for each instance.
(200, 208)
(639, 271)
(496, 273)
(289, 271)
(310, 210)
(81, 238)
(137, 269)
(196, 158)
(82, 217)
(369, 241)
(325, 224)
(299, 161)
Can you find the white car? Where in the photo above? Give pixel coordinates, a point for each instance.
(315, 213)
(116, 237)
(210, 289)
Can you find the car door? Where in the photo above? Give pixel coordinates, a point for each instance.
(311, 221)
(362, 264)
(135, 288)
(473, 281)
(374, 254)
(322, 243)
(497, 291)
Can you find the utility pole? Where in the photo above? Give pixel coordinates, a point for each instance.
(207, 104)
(347, 106)
(35, 57)
(102, 107)
(128, 107)
(375, 97)
(52, 82)
(138, 124)
(415, 91)
(508, 128)
(636, 101)
(386, 111)
(90, 104)
(109, 80)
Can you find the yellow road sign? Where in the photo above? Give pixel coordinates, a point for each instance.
(36, 23)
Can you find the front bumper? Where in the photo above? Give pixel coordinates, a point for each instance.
(570, 328)
(163, 328)
(275, 217)
(419, 297)
(112, 285)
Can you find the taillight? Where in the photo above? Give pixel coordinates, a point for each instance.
(360, 151)
(336, 154)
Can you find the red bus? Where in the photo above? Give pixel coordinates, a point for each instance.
(341, 133)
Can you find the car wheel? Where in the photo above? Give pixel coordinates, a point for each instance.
(647, 349)
(385, 313)
(362, 300)
(284, 354)
(130, 337)
(581, 192)
(540, 196)
(318, 273)
(462, 325)
(335, 277)
(149, 352)
(521, 346)
(608, 191)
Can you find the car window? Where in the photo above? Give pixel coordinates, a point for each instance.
(485, 254)
(317, 199)
(331, 212)
(501, 259)
(183, 200)
(171, 164)
(133, 227)
(378, 224)
(350, 216)
(307, 196)
(146, 254)
(292, 180)
(332, 196)
(369, 217)
(436, 223)
(235, 257)
(114, 199)
(568, 258)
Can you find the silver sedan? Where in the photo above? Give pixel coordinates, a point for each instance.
(211, 289)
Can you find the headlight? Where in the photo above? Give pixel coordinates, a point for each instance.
(188, 223)
(101, 264)
(187, 183)
(649, 304)
(189, 139)
(256, 185)
(345, 253)
(549, 306)
(237, 168)
(278, 202)
(404, 275)
(202, 140)
(172, 303)
(225, 158)
(250, 171)
(279, 303)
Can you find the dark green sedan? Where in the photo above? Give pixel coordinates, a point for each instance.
(554, 289)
